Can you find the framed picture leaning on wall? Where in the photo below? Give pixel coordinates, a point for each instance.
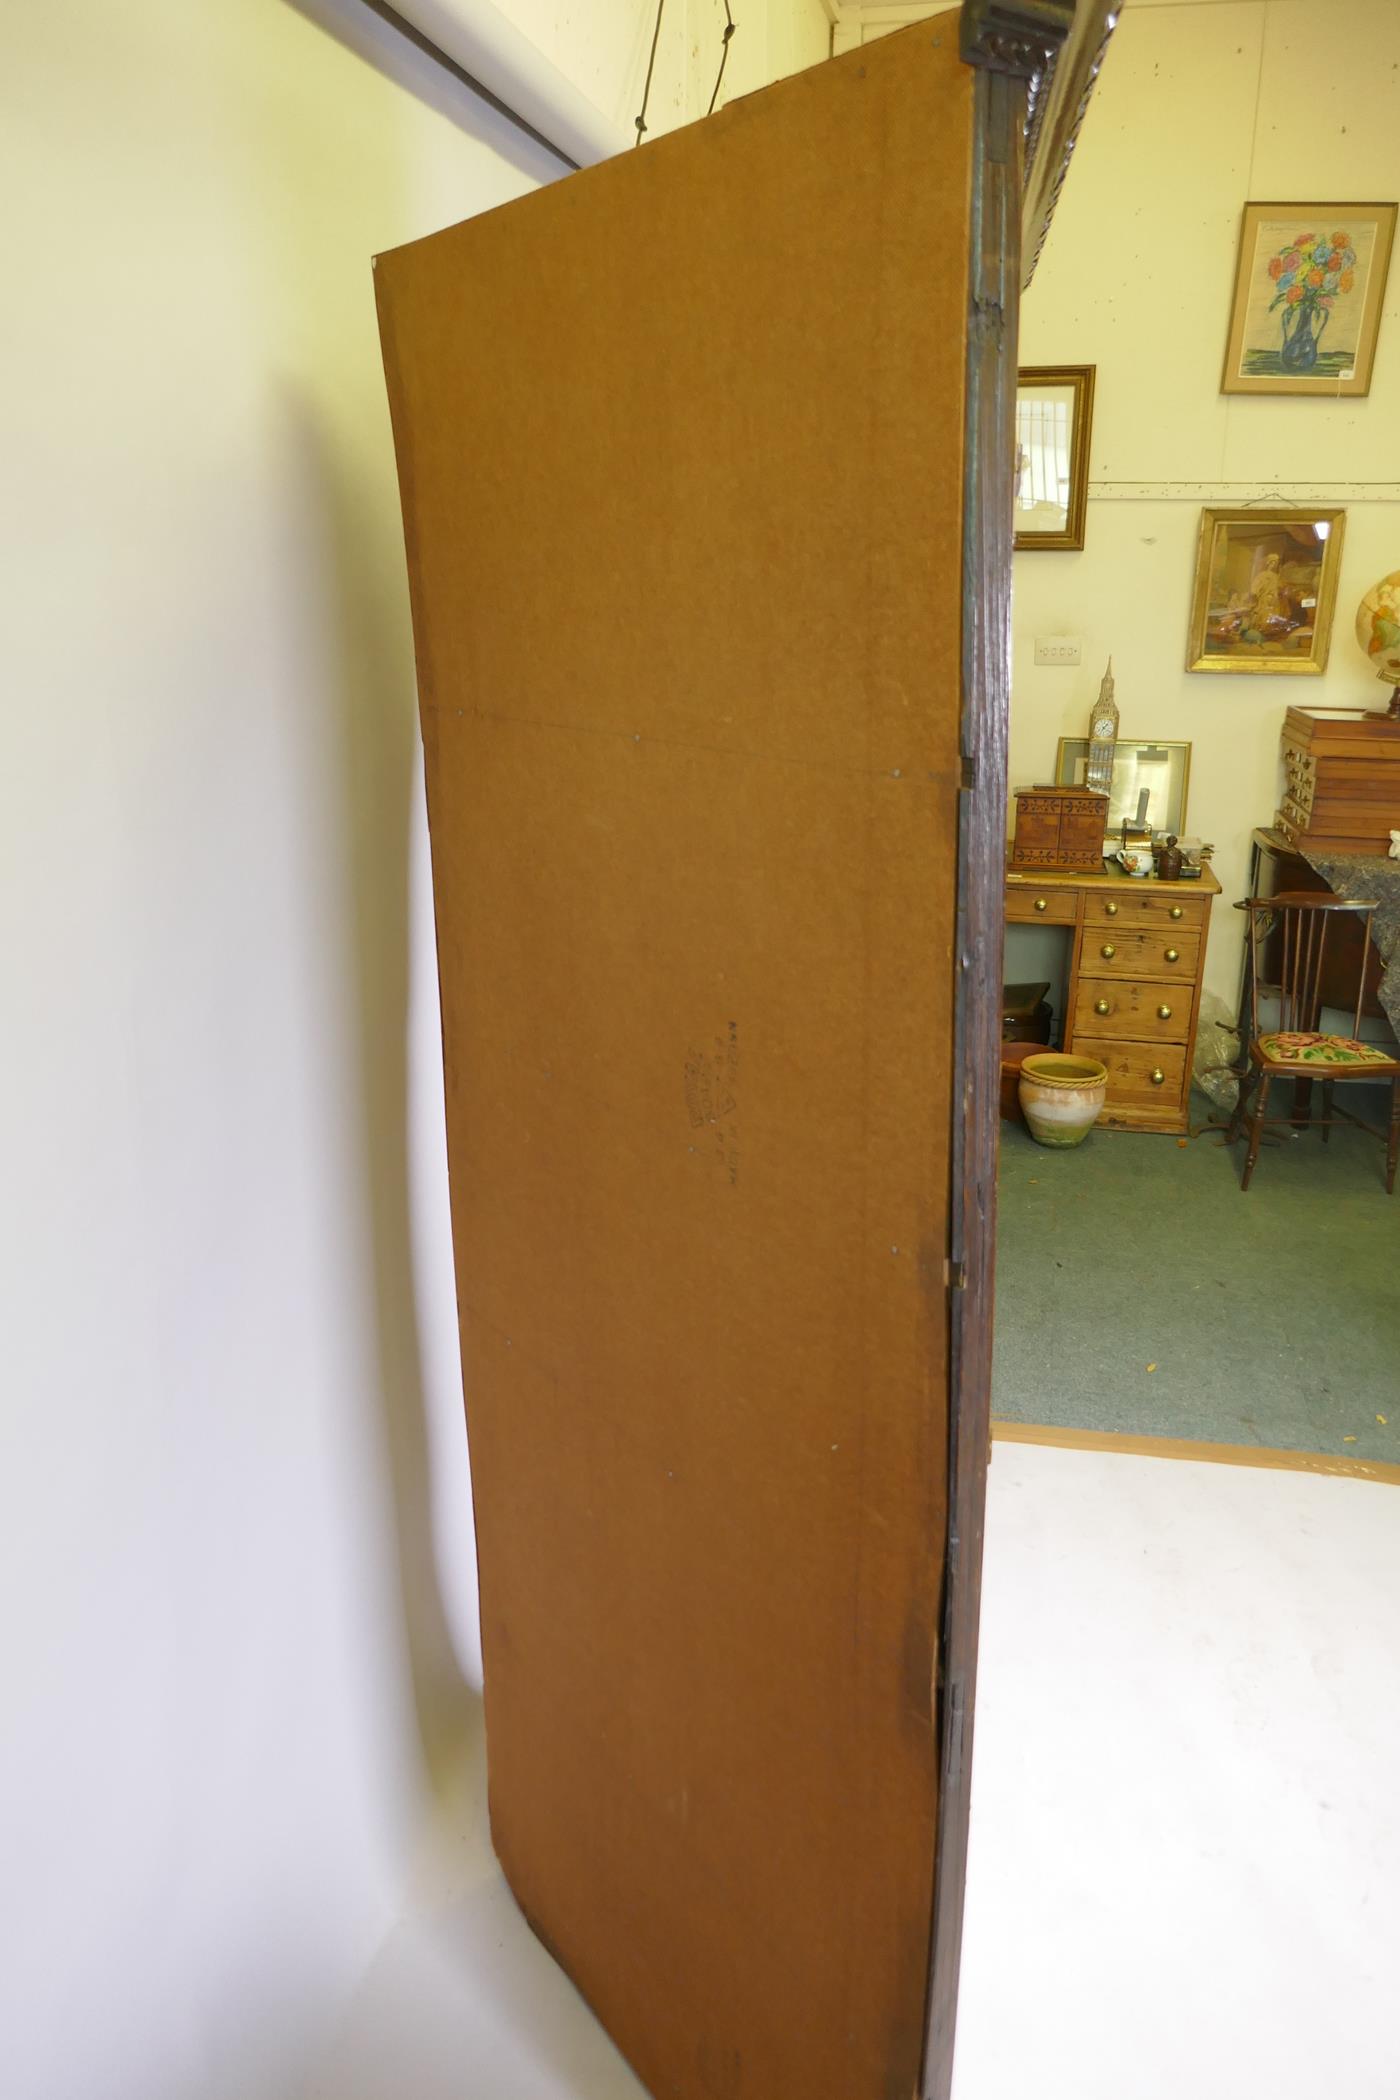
(1054, 419)
(1309, 283)
(1266, 583)
(1150, 779)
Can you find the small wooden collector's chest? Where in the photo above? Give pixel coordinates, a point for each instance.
(1060, 827)
(1341, 780)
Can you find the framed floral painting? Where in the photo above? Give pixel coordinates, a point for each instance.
(1266, 585)
(1308, 290)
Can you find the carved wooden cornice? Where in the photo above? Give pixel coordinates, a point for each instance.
(1054, 46)
(1015, 36)
(1057, 47)
(1057, 112)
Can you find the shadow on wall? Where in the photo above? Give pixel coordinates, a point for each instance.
(375, 729)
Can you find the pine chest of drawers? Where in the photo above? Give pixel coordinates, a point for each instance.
(1133, 989)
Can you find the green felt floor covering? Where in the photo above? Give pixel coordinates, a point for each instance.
(1139, 1291)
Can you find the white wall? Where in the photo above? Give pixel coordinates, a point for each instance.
(229, 1659)
(236, 1580)
(1202, 105)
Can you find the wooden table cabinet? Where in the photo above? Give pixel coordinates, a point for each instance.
(1133, 989)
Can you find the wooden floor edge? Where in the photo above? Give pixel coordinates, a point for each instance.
(1128, 1446)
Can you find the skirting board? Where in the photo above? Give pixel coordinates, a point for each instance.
(1270, 1460)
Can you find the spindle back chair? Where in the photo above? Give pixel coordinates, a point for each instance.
(1287, 937)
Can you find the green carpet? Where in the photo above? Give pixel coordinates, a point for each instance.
(1139, 1291)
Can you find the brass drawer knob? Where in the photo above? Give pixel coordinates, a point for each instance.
(1042, 903)
(1108, 951)
(1173, 955)
(1158, 1076)
(1112, 910)
(1164, 1013)
(1176, 911)
(1101, 1006)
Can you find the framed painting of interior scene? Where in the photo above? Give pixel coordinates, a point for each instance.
(1054, 417)
(1266, 583)
(1309, 284)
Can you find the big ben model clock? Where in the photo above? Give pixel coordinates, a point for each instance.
(1103, 737)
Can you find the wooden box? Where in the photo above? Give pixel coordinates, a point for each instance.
(1060, 827)
(1025, 1014)
(1341, 775)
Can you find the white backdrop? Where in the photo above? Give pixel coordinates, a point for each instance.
(237, 1590)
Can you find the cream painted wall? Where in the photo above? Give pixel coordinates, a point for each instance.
(603, 47)
(237, 1594)
(1202, 105)
(865, 21)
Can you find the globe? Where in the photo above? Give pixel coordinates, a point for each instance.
(1378, 631)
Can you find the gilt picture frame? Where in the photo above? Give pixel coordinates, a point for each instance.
(1266, 589)
(1151, 778)
(1309, 288)
(1054, 423)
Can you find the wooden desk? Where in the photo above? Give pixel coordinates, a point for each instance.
(1133, 993)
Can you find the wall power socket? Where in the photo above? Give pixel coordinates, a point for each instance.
(1058, 649)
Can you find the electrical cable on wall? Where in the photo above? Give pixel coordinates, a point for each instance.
(730, 25)
(723, 56)
(651, 68)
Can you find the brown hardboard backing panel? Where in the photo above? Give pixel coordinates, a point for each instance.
(680, 449)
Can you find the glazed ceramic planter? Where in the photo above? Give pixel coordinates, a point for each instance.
(1062, 1096)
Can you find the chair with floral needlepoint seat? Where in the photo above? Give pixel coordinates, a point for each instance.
(1288, 934)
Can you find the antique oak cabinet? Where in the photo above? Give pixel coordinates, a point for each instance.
(717, 874)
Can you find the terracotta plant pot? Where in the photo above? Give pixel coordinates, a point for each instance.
(1061, 1096)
